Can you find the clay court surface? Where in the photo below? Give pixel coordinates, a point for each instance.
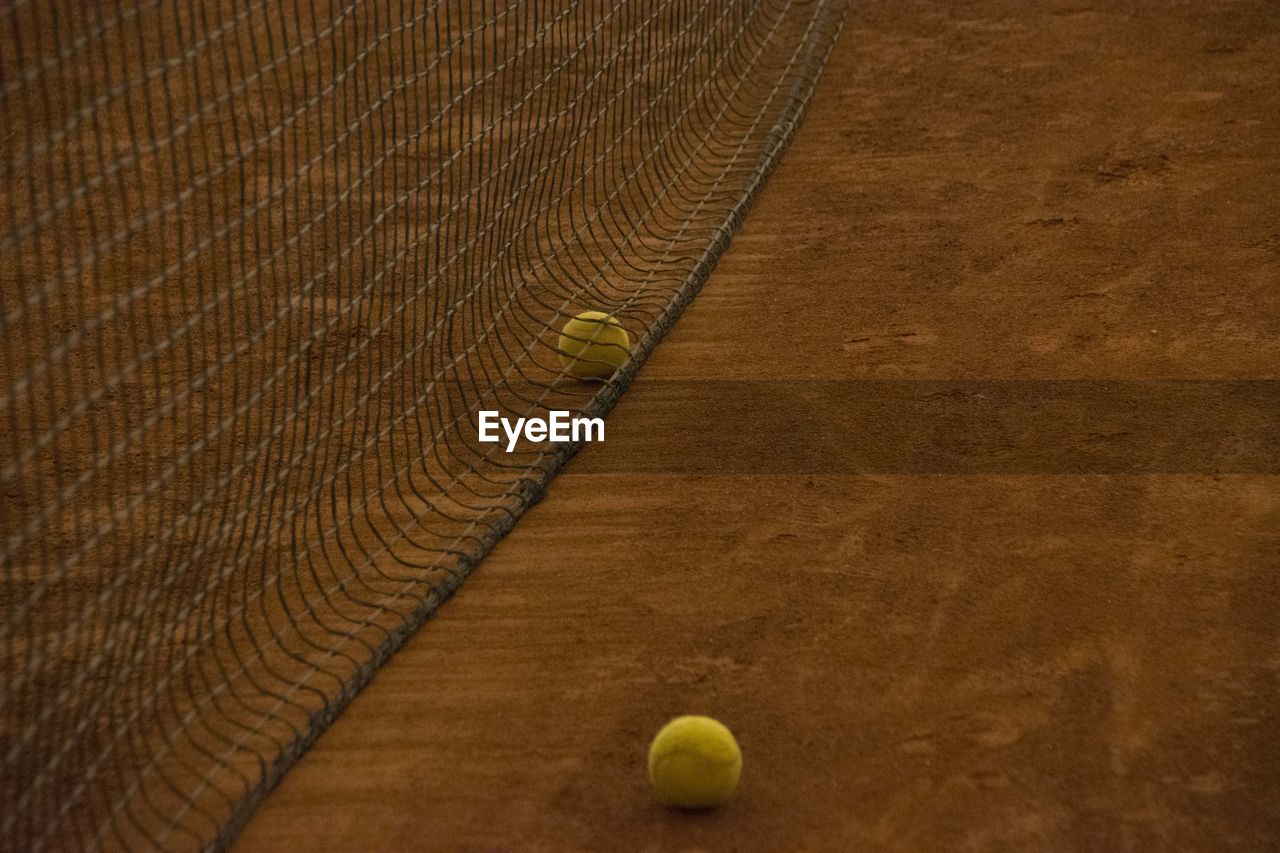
(956, 493)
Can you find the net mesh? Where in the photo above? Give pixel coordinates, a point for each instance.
(261, 265)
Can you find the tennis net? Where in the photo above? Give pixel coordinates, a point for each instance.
(261, 265)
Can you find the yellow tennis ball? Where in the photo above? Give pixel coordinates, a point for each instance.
(593, 345)
(695, 762)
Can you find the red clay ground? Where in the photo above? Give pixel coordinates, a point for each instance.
(935, 621)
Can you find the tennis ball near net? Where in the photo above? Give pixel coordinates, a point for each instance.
(694, 762)
(593, 345)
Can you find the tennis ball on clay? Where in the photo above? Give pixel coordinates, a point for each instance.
(694, 762)
(593, 345)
